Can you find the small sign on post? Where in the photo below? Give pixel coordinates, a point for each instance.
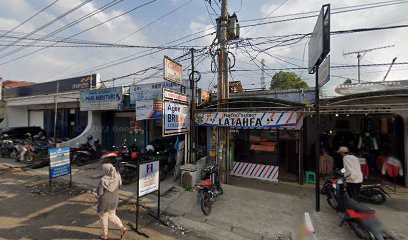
(324, 72)
(60, 164)
(172, 70)
(148, 182)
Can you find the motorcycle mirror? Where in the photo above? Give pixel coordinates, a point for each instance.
(114, 146)
(343, 170)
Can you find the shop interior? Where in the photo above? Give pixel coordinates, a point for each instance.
(371, 137)
(268, 147)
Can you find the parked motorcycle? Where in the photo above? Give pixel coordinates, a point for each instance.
(7, 147)
(369, 193)
(88, 154)
(41, 156)
(361, 219)
(210, 189)
(81, 147)
(373, 193)
(124, 159)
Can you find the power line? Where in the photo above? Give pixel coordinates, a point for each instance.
(368, 6)
(90, 28)
(49, 23)
(77, 21)
(132, 33)
(29, 19)
(274, 10)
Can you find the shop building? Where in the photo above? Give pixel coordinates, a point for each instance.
(34, 105)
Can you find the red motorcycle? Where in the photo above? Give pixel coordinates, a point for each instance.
(210, 189)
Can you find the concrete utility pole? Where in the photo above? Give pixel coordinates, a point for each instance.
(192, 111)
(263, 85)
(359, 56)
(223, 90)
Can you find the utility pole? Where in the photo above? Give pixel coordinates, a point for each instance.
(363, 52)
(223, 89)
(263, 85)
(56, 113)
(192, 111)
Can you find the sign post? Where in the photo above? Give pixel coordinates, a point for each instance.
(60, 164)
(148, 183)
(173, 71)
(319, 48)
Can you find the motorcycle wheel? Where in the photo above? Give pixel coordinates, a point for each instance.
(81, 160)
(331, 201)
(375, 197)
(206, 203)
(14, 155)
(359, 230)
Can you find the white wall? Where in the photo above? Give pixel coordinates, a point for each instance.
(36, 118)
(93, 128)
(16, 116)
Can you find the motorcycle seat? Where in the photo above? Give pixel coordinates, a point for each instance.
(205, 183)
(356, 206)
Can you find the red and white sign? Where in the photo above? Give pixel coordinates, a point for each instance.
(175, 96)
(172, 70)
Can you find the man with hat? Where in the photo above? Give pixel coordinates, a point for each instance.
(353, 172)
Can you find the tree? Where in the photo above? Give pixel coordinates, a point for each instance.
(287, 80)
(348, 81)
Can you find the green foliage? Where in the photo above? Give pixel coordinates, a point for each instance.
(287, 80)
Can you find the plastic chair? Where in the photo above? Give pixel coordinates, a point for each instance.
(310, 177)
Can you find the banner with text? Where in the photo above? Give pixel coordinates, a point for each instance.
(175, 118)
(247, 120)
(172, 70)
(149, 100)
(101, 99)
(60, 164)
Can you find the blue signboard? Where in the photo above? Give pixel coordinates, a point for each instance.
(60, 163)
(101, 99)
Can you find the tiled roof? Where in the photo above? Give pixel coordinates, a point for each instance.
(15, 84)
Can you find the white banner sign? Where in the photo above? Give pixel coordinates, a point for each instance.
(148, 178)
(175, 118)
(148, 99)
(101, 99)
(172, 95)
(172, 70)
(324, 72)
(267, 120)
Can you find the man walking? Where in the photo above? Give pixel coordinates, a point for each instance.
(353, 172)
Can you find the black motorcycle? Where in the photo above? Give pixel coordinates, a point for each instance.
(8, 147)
(89, 155)
(373, 194)
(210, 189)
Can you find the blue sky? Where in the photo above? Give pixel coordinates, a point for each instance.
(56, 63)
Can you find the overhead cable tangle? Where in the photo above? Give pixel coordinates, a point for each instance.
(76, 34)
(49, 23)
(29, 19)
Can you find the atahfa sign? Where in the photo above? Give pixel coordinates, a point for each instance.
(247, 120)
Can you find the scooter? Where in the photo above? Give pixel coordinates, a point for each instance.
(209, 190)
(373, 193)
(369, 193)
(124, 159)
(361, 219)
(7, 146)
(88, 155)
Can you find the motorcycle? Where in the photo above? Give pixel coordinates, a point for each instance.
(7, 147)
(369, 193)
(88, 154)
(209, 190)
(81, 147)
(373, 193)
(40, 154)
(124, 159)
(361, 219)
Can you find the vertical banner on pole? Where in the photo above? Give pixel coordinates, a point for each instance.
(319, 48)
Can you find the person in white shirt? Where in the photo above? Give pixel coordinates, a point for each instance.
(353, 172)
